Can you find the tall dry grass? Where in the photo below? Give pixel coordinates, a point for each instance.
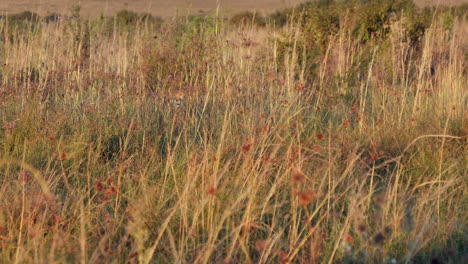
(213, 144)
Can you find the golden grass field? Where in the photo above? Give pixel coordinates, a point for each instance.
(337, 137)
(163, 8)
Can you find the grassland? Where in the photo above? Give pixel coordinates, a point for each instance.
(162, 8)
(338, 136)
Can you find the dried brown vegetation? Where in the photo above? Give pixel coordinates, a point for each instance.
(197, 141)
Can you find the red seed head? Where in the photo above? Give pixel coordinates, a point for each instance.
(110, 191)
(109, 180)
(305, 197)
(211, 190)
(349, 239)
(283, 257)
(346, 123)
(246, 147)
(261, 245)
(63, 156)
(298, 177)
(99, 186)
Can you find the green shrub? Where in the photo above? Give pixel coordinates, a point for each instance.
(22, 22)
(24, 16)
(196, 25)
(248, 18)
(278, 18)
(372, 18)
(319, 24)
(127, 17)
(447, 19)
(54, 17)
(416, 22)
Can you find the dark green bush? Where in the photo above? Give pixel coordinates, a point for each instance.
(319, 24)
(22, 22)
(24, 16)
(248, 18)
(127, 17)
(367, 23)
(278, 18)
(54, 17)
(372, 18)
(416, 23)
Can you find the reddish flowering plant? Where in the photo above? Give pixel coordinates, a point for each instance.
(283, 257)
(250, 227)
(246, 147)
(63, 156)
(110, 191)
(99, 186)
(297, 177)
(349, 239)
(211, 190)
(261, 245)
(300, 86)
(305, 198)
(109, 180)
(320, 136)
(346, 123)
